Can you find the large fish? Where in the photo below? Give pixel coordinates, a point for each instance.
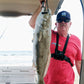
(41, 43)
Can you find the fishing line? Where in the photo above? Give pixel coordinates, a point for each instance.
(3, 33)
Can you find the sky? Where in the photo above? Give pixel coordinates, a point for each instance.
(17, 35)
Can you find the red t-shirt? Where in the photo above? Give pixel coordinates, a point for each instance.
(61, 72)
(73, 50)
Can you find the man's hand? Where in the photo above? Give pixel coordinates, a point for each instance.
(41, 2)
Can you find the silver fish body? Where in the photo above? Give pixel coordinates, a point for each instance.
(41, 44)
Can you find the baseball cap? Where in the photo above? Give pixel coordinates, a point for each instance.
(63, 16)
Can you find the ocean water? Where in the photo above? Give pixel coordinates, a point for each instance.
(16, 53)
(16, 58)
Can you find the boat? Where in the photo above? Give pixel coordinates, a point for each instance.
(25, 7)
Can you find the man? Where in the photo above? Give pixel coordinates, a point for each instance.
(65, 49)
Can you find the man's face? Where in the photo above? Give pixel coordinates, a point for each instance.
(63, 27)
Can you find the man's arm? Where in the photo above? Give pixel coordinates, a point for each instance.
(34, 16)
(78, 66)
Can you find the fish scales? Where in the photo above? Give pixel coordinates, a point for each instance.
(41, 44)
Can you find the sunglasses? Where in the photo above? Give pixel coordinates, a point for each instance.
(65, 20)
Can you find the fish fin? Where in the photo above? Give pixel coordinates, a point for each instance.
(40, 36)
(44, 34)
(33, 65)
(47, 65)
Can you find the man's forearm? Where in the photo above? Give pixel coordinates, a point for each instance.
(34, 16)
(78, 66)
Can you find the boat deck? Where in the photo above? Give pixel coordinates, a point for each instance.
(17, 75)
(21, 75)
